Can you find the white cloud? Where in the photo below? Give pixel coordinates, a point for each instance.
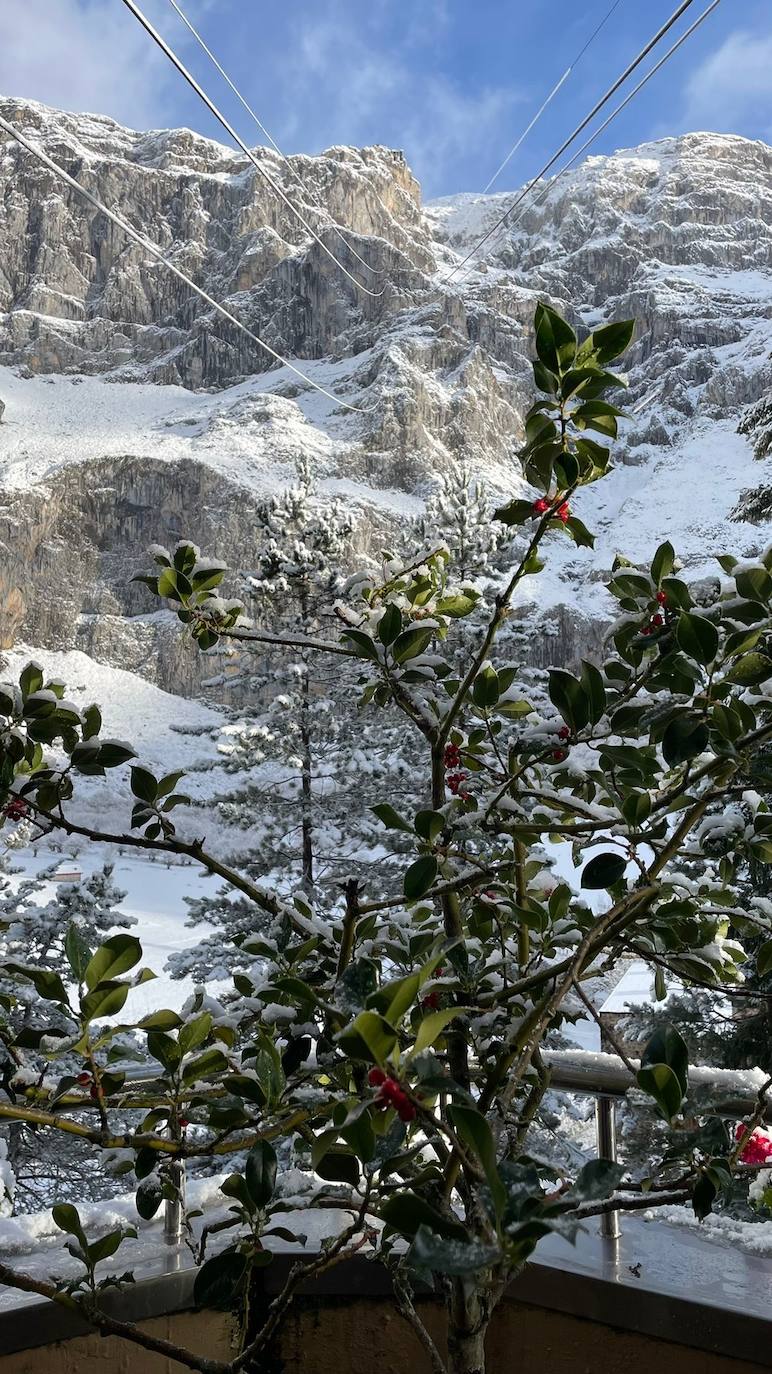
(346, 89)
(83, 55)
(731, 91)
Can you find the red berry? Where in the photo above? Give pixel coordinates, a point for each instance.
(540, 506)
(376, 1077)
(454, 781)
(16, 809)
(390, 1090)
(431, 1001)
(94, 1090)
(83, 1078)
(646, 630)
(452, 756)
(564, 732)
(662, 598)
(657, 620)
(183, 1122)
(564, 512)
(559, 755)
(406, 1111)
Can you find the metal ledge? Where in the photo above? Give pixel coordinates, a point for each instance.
(657, 1280)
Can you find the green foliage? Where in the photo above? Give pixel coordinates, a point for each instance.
(389, 1041)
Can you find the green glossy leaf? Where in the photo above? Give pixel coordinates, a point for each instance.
(663, 562)
(594, 691)
(195, 1032)
(684, 738)
(555, 339)
(764, 959)
(567, 694)
(261, 1172)
(603, 871)
(220, 1280)
(149, 1197)
(390, 624)
(419, 877)
(117, 955)
(610, 341)
(755, 584)
(391, 818)
(67, 1218)
(664, 1071)
(596, 1180)
(697, 637)
(411, 643)
(455, 1257)
(473, 1130)
(369, 1036)
(514, 513)
(77, 952)
(47, 984)
(485, 688)
(143, 784)
(106, 999)
(750, 670)
(406, 1212)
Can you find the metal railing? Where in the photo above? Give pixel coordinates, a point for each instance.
(602, 1076)
(608, 1080)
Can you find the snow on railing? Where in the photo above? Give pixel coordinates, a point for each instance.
(606, 1078)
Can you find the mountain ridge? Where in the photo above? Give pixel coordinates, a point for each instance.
(180, 429)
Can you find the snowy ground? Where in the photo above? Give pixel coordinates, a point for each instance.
(250, 433)
(155, 898)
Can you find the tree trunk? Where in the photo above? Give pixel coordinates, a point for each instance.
(307, 796)
(469, 1313)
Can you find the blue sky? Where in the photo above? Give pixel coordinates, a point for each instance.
(451, 82)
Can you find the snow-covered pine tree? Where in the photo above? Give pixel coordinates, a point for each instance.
(459, 514)
(302, 785)
(36, 929)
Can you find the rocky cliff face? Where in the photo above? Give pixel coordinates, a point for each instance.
(133, 413)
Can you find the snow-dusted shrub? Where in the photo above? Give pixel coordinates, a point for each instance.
(389, 1052)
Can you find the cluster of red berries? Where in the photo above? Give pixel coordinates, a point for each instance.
(758, 1147)
(455, 782)
(432, 999)
(391, 1094)
(16, 809)
(86, 1081)
(563, 511)
(560, 755)
(657, 620)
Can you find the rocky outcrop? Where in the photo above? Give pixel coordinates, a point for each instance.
(677, 234)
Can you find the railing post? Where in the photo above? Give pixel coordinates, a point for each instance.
(606, 1129)
(174, 1207)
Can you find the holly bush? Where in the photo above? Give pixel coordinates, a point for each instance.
(393, 1046)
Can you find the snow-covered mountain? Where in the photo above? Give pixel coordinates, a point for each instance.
(133, 415)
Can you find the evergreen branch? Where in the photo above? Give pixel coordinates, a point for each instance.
(321, 646)
(109, 1326)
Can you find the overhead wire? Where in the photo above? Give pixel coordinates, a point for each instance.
(618, 110)
(612, 90)
(162, 257)
(558, 84)
(337, 228)
(229, 129)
